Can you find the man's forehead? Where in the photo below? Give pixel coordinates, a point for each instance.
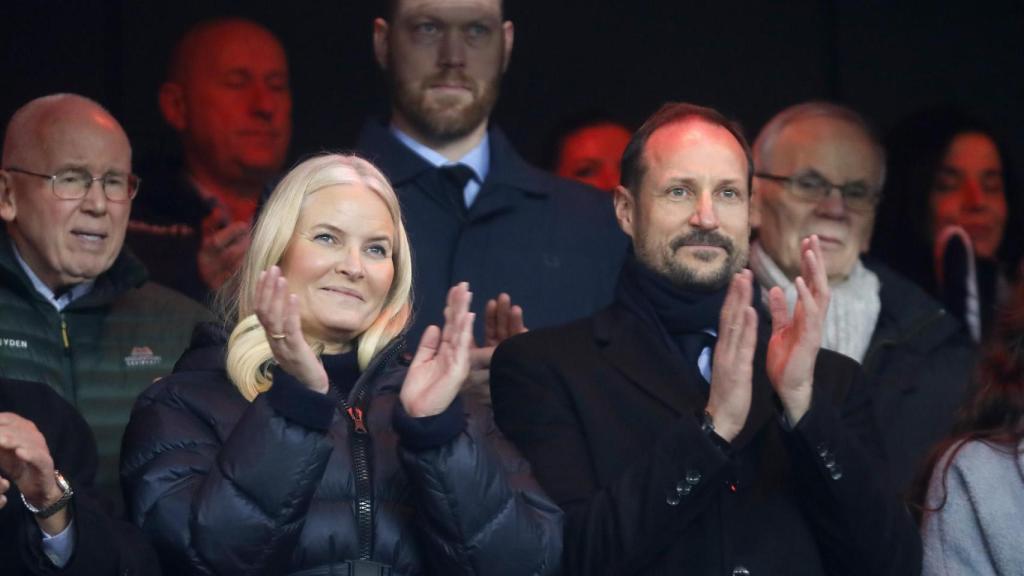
(82, 140)
(692, 134)
(239, 46)
(824, 143)
(451, 8)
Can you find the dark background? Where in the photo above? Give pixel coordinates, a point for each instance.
(749, 59)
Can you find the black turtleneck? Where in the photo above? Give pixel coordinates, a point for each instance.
(295, 401)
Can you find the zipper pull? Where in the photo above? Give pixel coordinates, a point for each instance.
(356, 414)
(64, 333)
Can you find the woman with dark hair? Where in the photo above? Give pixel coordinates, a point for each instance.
(973, 489)
(309, 443)
(950, 218)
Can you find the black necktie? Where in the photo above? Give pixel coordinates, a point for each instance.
(454, 178)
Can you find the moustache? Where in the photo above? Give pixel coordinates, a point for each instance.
(453, 77)
(702, 238)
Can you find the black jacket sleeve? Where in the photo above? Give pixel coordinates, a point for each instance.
(235, 506)
(480, 510)
(612, 530)
(103, 543)
(860, 524)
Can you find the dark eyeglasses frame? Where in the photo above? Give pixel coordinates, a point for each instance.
(863, 204)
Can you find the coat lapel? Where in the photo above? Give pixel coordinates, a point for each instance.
(636, 351)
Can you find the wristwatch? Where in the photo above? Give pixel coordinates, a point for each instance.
(57, 506)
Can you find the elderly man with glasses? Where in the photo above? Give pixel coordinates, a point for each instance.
(78, 313)
(818, 170)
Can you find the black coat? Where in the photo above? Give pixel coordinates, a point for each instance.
(552, 244)
(103, 545)
(273, 486)
(607, 416)
(166, 231)
(919, 364)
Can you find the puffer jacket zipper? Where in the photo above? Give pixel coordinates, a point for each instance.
(355, 407)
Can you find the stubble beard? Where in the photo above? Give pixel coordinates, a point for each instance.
(444, 120)
(663, 260)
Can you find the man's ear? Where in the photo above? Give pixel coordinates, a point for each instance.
(172, 105)
(865, 243)
(755, 208)
(625, 208)
(508, 37)
(380, 42)
(8, 204)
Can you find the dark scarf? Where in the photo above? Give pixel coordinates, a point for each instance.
(680, 317)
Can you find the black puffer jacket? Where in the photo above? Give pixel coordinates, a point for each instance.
(277, 486)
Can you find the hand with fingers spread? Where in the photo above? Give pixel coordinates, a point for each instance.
(221, 253)
(795, 341)
(278, 312)
(441, 363)
(502, 320)
(732, 371)
(26, 462)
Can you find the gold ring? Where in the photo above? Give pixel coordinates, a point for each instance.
(278, 336)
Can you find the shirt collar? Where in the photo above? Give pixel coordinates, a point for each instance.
(478, 159)
(58, 302)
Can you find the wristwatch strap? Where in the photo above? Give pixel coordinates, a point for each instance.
(57, 506)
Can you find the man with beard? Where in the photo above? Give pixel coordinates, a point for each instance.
(474, 209)
(682, 429)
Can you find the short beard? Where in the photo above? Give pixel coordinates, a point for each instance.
(443, 124)
(686, 278)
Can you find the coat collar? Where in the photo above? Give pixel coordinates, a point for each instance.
(124, 274)
(909, 317)
(402, 165)
(635, 350)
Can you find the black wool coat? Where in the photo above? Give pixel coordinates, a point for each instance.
(104, 545)
(919, 366)
(607, 415)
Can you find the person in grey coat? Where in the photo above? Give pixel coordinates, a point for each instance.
(972, 510)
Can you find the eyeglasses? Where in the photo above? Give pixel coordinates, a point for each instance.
(74, 184)
(815, 188)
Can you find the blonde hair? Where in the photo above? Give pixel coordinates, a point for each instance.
(249, 357)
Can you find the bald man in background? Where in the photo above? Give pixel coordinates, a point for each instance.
(78, 313)
(227, 96)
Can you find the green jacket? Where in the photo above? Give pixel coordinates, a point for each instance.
(101, 351)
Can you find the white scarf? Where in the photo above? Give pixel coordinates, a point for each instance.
(852, 311)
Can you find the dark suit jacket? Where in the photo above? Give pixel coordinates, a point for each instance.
(606, 415)
(166, 231)
(103, 545)
(553, 245)
(919, 364)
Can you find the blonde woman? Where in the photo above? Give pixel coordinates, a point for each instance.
(308, 445)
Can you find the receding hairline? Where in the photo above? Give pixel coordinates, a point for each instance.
(697, 116)
(24, 131)
(200, 34)
(777, 125)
